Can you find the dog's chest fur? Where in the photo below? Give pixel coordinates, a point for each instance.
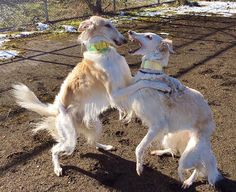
(114, 67)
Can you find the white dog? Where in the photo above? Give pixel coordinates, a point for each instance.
(182, 108)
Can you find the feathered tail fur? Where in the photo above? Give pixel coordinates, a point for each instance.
(28, 100)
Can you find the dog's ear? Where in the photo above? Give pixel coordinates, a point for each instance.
(87, 24)
(166, 45)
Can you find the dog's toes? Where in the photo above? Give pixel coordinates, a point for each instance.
(105, 147)
(157, 152)
(139, 169)
(187, 183)
(58, 171)
(109, 148)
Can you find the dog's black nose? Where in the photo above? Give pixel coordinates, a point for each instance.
(130, 32)
(125, 41)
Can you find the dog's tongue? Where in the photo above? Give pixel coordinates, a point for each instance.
(131, 51)
(135, 48)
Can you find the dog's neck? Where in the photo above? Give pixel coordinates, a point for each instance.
(97, 44)
(101, 47)
(152, 65)
(155, 61)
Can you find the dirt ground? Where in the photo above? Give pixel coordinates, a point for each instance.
(205, 60)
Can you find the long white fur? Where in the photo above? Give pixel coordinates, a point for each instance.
(169, 114)
(27, 99)
(81, 117)
(175, 144)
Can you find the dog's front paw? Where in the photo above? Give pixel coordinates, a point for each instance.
(109, 148)
(139, 168)
(58, 171)
(105, 147)
(157, 152)
(187, 183)
(162, 152)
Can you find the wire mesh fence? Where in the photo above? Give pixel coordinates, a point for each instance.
(17, 14)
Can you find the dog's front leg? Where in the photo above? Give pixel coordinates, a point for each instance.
(96, 125)
(123, 92)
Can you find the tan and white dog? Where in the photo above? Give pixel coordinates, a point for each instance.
(181, 109)
(86, 92)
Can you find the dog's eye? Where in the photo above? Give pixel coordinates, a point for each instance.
(108, 25)
(149, 37)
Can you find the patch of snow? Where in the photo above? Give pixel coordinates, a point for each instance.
(2, 36)
(8, 54)
(27, 33)
(22, 34)
(3, 39)
(163, 33)
(42, 26)
(69, 28)
(226, 9)
(206, 8)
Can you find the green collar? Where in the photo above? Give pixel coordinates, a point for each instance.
(101, 46)
(153, 65)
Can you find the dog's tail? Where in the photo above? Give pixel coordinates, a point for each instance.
(27, 99)
(209, 168)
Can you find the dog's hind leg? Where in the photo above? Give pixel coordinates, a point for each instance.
(67, 144)
(146, 141)
(190, 157)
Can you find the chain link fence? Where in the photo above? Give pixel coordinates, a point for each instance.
(17, 14)
(20, 13)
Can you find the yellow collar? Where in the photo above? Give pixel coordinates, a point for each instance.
(153, 65)
(99, 46)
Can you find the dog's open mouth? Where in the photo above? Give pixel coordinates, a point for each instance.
(138, 44)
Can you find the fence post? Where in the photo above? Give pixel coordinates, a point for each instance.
(46, 10)
(114, 6)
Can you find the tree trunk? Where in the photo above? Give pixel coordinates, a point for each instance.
(95, 8)
(98, 7)
(182, 2)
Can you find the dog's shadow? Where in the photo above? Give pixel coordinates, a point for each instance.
(226, 185)
(120, 174)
